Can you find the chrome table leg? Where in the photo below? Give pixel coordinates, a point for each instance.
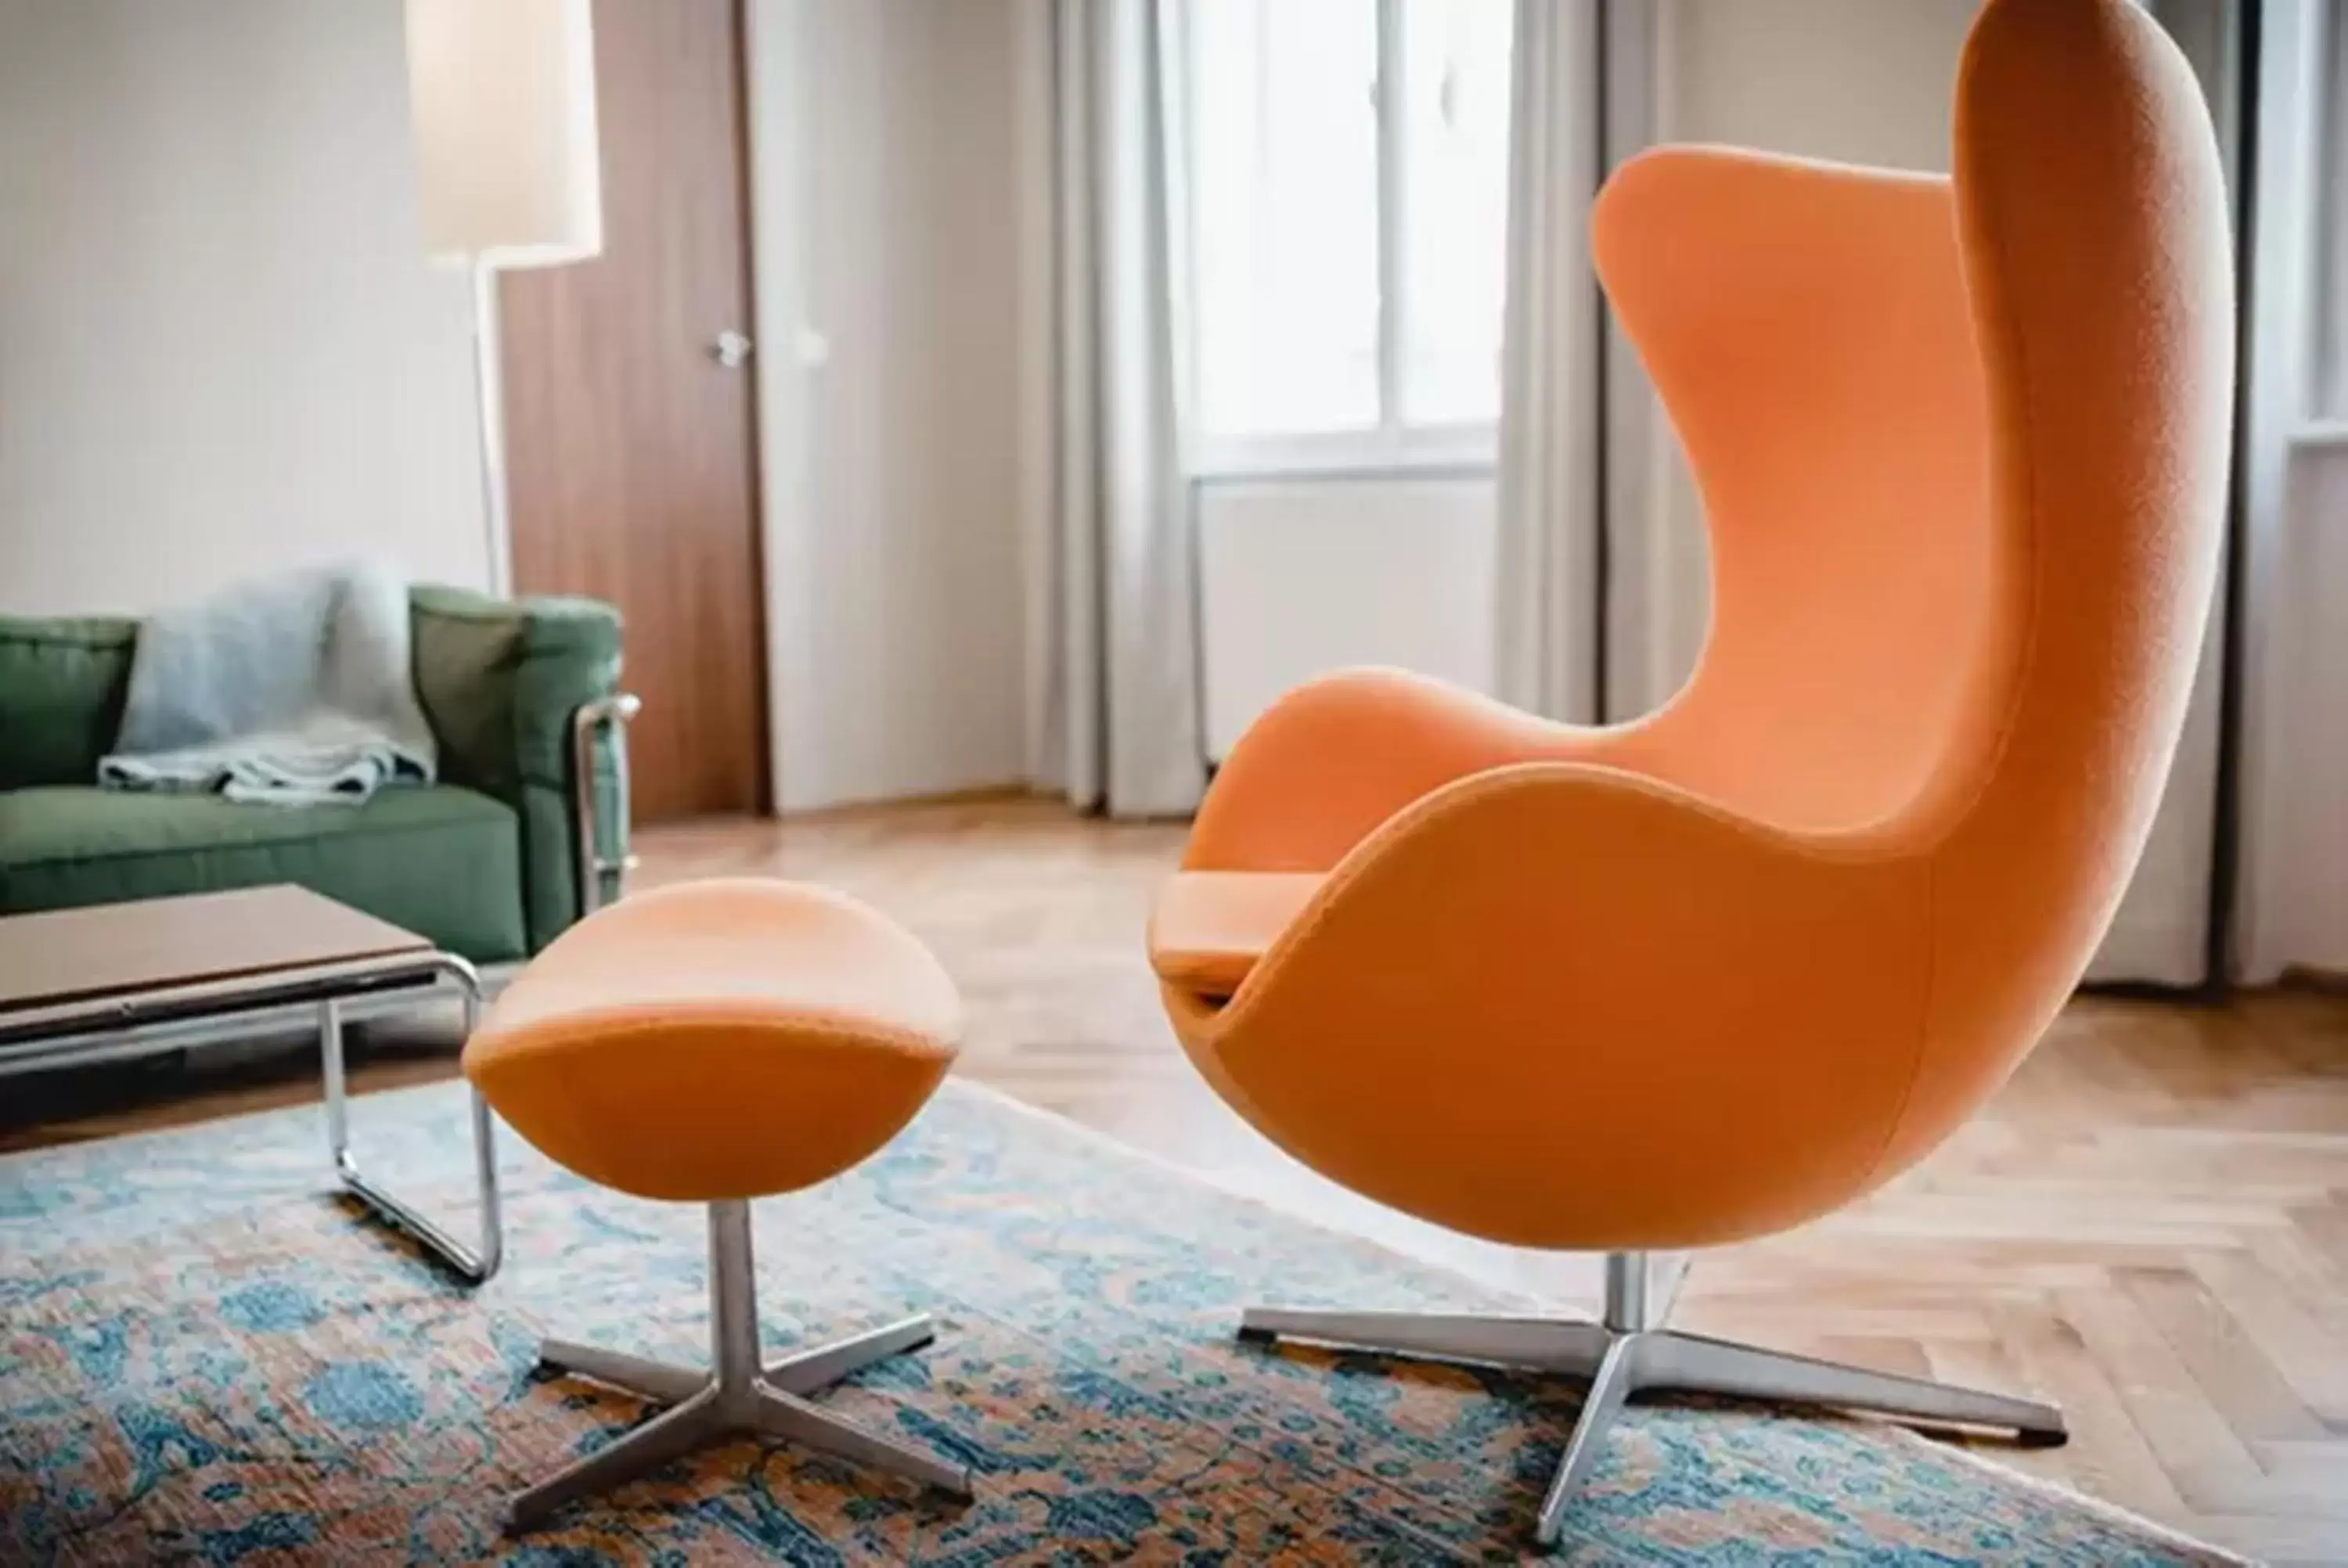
(474, 1264)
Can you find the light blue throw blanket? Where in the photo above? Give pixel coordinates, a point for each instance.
(294, 691)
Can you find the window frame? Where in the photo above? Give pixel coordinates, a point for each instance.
(1393, 445)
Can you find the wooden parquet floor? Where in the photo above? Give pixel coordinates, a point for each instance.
(2149, 1225)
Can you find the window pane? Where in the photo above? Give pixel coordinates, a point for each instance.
(1284, 211)
(1455, 208)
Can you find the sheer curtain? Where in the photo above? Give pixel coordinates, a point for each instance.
(2291, 555)
(1548, 579)
(1112, 658)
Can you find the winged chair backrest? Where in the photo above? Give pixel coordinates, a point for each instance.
(1963, 448)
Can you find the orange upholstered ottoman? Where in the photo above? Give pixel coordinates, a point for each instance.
(712, 1043)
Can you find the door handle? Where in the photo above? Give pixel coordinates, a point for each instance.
(732, 350)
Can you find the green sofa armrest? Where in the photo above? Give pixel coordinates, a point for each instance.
(62, 684)
(502, 683)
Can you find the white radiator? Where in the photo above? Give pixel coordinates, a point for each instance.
(1298, 576)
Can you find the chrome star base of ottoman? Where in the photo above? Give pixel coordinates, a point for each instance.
(738, 1397)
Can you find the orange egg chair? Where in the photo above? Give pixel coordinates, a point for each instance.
(1962, 444)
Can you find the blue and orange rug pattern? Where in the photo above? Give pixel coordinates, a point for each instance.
(204, 1359)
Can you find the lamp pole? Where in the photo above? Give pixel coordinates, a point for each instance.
(488, 390)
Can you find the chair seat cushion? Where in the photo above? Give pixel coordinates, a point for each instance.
(1211, 926)
(440, 861)
(717, 1039)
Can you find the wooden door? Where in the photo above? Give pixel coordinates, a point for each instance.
(631, 441)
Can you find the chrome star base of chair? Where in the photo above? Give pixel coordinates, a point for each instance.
(1628, 1353)
(739, 1396)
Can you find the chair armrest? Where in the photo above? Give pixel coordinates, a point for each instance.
(1209, 928)
(1566, 1006)
(501, 682)
(1325, 765)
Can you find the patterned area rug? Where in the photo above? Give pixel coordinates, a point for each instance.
(203, 1359)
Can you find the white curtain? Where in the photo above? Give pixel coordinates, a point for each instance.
(2292, 899)
(1546, 615)
(1112, 667)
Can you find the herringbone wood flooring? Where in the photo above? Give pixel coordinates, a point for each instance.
(2149, 1225)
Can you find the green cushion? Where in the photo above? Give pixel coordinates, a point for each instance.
(443, 862)
(62, 683)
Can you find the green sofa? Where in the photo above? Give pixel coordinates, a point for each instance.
(487, 862)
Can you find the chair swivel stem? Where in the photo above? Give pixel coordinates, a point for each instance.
(1626, 1293)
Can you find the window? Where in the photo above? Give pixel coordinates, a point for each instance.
(1347, 165)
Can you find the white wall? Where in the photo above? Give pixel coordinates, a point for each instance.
(1301, 575)
(221, 347)
(885, 155)
(1851, 79)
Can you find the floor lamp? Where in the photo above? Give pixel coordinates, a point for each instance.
(503, 97)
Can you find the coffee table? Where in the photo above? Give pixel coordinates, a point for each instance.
(113, 981)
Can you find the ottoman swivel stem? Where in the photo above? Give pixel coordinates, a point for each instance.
(732, 1303)
(737, 1396)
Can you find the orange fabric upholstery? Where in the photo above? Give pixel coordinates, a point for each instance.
(1211, 926)
(719, 1039)
(1963, 448)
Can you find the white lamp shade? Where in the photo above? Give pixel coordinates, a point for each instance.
(503, 94)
